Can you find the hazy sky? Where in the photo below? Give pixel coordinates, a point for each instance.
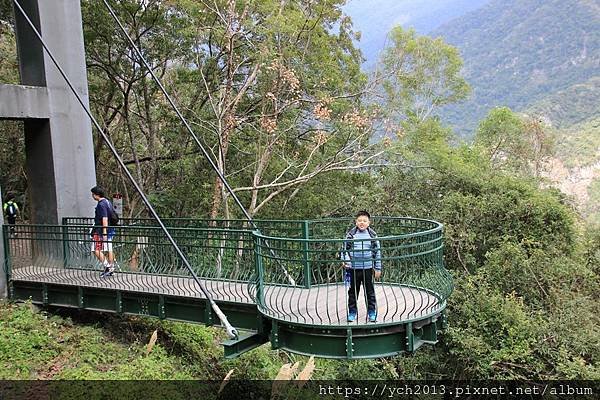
(375, 18)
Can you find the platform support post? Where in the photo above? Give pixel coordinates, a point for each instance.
(275, 335)
(305, 257)
(410, 338)
(349, 343)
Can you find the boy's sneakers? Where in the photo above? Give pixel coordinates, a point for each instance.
(352, 316)
(109, 270)
(372, 316)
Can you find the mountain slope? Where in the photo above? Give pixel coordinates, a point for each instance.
(518, 52)
(375, 18)
(575, 104)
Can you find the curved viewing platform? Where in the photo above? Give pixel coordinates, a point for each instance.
(301, 280)
(285, 280)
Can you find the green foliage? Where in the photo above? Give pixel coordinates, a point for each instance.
(264, 86)
(333, 194)
(419, 75)
(12, 169)
(12, 162)
(261, 363)
(9, 69)
(571, 337)
(35, 345)
(27, 342)
(512, 268)
(592, 249)
(492, 335)
(424, 137)
(517, 263)
(501, 131)
(512, 142)
(480, 208)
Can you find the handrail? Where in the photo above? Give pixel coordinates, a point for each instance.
(414, 283)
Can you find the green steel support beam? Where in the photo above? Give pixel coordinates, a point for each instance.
(244, 316)
(119, 303)
(331, 342)
(430, 332)
(275, 344)
(208, 315)
(161, 307)
(80, 302)
(349, 343)
(235, 347)
(44, 294)
(339, 343)
(410, 338)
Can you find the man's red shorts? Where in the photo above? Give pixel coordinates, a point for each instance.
(99, 244)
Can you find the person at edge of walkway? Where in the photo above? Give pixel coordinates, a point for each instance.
(362, 261)
(11, 209)
(102, 234)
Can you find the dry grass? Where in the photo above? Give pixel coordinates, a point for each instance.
(225, 380)
(306, 373)
(152, 342)
(287, 373)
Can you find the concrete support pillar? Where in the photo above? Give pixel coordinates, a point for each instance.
(59, 148)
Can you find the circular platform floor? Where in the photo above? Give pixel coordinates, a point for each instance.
(328, 304)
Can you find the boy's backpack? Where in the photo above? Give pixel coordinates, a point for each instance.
(113, 217)
(11, 209)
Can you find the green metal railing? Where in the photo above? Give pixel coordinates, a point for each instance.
(283, 228)
(239, 265)
(413, 285)
(146, 262)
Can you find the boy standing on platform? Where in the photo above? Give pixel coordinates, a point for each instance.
(362, 260)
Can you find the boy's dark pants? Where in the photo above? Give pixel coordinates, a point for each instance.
(358, 277)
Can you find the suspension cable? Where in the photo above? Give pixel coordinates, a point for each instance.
(231, 331)
(189, 129)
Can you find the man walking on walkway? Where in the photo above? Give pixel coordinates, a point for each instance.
(102, 234)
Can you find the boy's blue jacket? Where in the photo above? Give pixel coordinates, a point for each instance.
(362, 254)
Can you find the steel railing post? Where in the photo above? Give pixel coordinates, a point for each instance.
(305, 257)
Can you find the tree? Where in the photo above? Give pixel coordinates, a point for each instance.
(123, 97)
(514, 142)
(282, 97)
(271, 89)
(419, 74)
(9, 70)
